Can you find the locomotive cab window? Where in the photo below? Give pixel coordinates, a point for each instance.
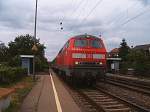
(67, 44)
(81, 43)
(96, 44)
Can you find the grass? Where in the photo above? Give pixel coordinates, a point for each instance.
(19, 95)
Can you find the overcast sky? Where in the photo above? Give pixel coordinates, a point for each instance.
(113, 19)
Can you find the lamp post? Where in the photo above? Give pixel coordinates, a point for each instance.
(34, 48)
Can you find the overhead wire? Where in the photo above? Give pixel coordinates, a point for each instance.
(130, 19)
(126, 22)
(79, 14)
(96, 5)
(116, 18)
(78, 6)
(66, 14)
(73, 12)
(133, 18)
(91, 11)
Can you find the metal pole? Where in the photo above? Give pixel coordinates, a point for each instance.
(35, 25)
(35, 19)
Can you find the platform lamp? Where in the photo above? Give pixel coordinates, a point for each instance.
(34, 48)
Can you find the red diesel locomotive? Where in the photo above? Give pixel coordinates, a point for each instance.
(83, 57)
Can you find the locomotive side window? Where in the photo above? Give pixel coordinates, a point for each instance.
(81, 43)
(96, 44)
(67, 44)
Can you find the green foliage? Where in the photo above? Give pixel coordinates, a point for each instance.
(9, 74)
(124, 67)
(3, 52)
(138, 61)
(142, 63)
(15, 61)
(123, 50)
(22, 45)
(135, 59)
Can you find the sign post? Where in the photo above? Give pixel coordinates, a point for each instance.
(34, 49)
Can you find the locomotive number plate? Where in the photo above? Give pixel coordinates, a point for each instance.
(89, 55)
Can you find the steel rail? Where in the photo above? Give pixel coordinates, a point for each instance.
(136, 87)
(138, 107)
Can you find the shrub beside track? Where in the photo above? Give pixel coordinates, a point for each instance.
(11, 74)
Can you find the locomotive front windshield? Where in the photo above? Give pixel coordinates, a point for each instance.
(88, 43)
(81, 43)
(96, 44)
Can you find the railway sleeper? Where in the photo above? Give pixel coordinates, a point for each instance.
(126, 109)
(113, 106)
(100, 97)
(99, 100)
(110, 103)
(106, 100)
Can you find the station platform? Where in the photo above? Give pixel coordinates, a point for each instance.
(49, 95)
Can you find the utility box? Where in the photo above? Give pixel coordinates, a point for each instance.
(27, 62)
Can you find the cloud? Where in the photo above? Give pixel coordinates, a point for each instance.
(17, 18)
(145, 2)
(15, 14)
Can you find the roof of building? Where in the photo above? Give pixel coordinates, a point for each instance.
(115, 59)
(143, 47)
(115, 50)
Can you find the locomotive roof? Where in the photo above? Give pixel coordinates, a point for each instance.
(86, 36)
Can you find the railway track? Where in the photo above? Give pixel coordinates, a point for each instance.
(145, 89)
(138, 108)
(104, 102)
(98, 100)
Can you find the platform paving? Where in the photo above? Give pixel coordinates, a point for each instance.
(67, 102)
(42, 98)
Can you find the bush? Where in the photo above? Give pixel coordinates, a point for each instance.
(138, 61)
(123, 68)
(40, 64)
(9, 74)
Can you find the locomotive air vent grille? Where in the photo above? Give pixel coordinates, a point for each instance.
(88, 63)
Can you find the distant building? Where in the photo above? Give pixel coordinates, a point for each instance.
(113, 53)
(113, 60)
(145, 48)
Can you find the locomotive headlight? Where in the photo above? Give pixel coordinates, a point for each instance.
(98, 56)
(100, 63)
(76, 63)
(78, 55)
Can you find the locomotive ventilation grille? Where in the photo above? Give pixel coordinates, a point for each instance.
(89, 63)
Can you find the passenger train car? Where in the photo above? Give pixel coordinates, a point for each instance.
(83, 58)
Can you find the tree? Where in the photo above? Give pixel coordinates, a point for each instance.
(140, 62)
(124, 50)
(3, 52)
(22, 45)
